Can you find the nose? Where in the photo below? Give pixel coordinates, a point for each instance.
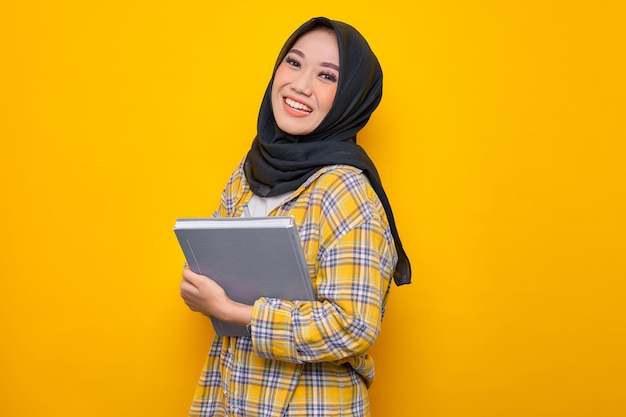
(302, 83)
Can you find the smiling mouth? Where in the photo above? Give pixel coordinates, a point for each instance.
(298, 106)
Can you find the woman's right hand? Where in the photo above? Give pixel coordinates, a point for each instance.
(204, 295)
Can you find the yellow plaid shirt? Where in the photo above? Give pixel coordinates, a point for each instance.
(309, 358)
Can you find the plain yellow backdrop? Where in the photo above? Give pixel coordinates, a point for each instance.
(500, 141)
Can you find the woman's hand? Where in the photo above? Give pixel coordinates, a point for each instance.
(206, 296)
(202, 294)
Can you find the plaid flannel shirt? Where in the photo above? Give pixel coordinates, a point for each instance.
(309, 358)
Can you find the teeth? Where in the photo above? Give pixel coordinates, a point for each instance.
(298, 106)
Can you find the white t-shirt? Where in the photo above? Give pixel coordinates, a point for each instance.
(261, 206)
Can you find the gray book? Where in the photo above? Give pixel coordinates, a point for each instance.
(250, 257)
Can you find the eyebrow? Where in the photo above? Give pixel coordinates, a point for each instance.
(323, 64)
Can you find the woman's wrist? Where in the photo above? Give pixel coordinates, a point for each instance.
(235, 312)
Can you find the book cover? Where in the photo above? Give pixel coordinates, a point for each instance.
(250, 257)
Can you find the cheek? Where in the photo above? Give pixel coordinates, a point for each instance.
(327, 97)
(276, 87)
(280, 77)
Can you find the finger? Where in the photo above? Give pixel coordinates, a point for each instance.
(191, 277)
(187, 288)
(191, 305)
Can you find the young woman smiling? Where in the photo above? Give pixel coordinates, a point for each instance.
(308, 358)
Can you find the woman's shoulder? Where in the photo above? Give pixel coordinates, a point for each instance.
(345, 200)
(343, 179)
(345, 190)
(233, 190)
(237, 177)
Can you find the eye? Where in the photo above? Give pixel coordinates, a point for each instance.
(329, 76)
(291, 61)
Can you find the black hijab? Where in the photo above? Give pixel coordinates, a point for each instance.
(279, 162)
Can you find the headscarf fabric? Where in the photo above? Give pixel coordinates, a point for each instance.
(279, 162)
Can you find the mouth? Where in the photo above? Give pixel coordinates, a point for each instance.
(297, 106)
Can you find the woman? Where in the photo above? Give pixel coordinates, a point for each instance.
(308, 358)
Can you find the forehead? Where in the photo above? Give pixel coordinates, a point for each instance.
(319, 44)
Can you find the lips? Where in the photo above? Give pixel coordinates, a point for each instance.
(295, 105)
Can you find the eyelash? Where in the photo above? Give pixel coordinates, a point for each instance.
(328, 76)
(325, 75)
(292, 62)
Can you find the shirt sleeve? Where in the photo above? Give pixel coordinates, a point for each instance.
(352, 284)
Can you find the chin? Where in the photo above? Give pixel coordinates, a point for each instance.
(296, 130)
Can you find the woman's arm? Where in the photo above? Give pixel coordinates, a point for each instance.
(352, 284)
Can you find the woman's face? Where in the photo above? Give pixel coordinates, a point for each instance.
(305, 82)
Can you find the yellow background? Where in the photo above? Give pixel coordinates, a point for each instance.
(500, 140)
